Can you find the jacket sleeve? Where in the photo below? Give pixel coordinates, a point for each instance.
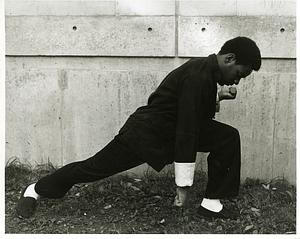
(188, 120)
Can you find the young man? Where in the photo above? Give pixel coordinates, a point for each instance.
(176, 123)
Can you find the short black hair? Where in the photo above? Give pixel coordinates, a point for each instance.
(245, 50)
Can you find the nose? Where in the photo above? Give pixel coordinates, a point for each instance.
(237, 81)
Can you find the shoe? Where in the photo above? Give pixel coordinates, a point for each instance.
(224, 213)
(26, 205)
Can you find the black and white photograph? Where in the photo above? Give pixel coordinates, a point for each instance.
(152, 117)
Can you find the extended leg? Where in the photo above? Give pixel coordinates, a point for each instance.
(112, 159)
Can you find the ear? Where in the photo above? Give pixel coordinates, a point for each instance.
(230, 58)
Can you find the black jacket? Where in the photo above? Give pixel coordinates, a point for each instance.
(167, 129)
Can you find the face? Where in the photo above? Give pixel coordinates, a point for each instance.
(233, 72)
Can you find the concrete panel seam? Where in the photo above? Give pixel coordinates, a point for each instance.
(274, 128)
(176, 27)
(62, 82)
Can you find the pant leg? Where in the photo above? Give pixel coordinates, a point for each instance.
(224, 159)
(113, 158)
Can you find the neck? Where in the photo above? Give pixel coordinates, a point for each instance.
(220, 60)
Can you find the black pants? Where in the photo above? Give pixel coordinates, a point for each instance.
(224, 160)
(221, 140)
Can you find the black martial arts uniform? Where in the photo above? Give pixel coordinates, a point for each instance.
(176, 123)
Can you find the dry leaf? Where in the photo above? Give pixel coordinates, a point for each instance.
(129, 184)
(254, 209)
(158, 197)
(290, 194)
(247, 228)
(267, 187)
(135, 188)
(162, 221)
(257, 214)
(107, 207)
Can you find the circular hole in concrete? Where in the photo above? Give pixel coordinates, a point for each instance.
(203, 29)
(74, 28)
(282, 30)
(150, 29)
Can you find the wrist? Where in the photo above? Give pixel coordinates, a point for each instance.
(184, 187)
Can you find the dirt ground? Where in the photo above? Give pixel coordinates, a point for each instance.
(129, 204)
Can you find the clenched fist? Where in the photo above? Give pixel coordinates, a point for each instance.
(181, 196)
(227, 93)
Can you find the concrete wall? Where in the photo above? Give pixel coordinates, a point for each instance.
(75, 70)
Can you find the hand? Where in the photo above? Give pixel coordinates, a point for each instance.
(181, 196)
(227, 93)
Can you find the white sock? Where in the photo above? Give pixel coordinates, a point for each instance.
(212, 204)
(30, 192)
